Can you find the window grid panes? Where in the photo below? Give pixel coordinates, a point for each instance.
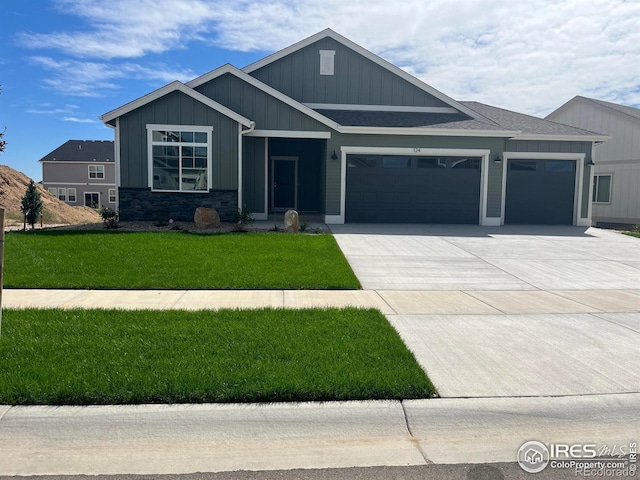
(71, 194)
(112, 195)
(62, 194)
(180, 160)
(96, 171)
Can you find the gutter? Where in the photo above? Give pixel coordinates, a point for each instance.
(241, 133)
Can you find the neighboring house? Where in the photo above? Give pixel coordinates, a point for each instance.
(82, 172)
(327, 127)
(616, 192)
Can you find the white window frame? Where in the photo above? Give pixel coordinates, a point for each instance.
(112, 195)
(596, 187)
(184, 128)
(53, 191)
(69, 195)
(62, 194)
(98, 171)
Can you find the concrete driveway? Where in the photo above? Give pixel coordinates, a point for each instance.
(509, 311)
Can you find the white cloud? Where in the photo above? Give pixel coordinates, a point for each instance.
(79, 120)
(528, 56)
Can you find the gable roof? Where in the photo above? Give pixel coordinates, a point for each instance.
(82, 151)
(365, 53)
(228, 68)
(623, 109)
(533, 128)
(172, 87)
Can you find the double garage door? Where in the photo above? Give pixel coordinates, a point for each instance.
(446, 189)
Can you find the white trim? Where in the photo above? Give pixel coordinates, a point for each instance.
(288, 134)
(97, 170)
(115, 195)
(427, 131)
(562, 138)
(491, 222)
(151, 127)
(416, 151)
(81, 184)
(228, 68)
(379, 108)
(577, 195)
(601, 174)
(172, 87)
(278, 158)
(327, 62)
(367, 54)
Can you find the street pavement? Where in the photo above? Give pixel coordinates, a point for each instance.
(528, 334)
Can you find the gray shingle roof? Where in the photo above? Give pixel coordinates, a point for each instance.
(527, 124)
(359, 118)
(631, 111)
(82, 151)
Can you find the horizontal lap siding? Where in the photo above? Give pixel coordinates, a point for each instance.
(177, 108)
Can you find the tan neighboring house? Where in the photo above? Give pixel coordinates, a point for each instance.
(615, 193)
(82, 172)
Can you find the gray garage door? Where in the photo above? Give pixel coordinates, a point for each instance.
(540, 192)
(412, 189)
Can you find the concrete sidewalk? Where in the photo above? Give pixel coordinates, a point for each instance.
(390, 302)
(173, 439)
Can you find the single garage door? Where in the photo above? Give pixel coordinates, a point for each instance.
(412, 189)
(540, 192)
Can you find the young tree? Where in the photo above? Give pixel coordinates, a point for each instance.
(31, 204)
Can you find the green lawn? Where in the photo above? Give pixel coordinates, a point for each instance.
(174, 260)
(632, 234)
(82, 357)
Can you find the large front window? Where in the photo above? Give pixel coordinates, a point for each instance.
(180, 158)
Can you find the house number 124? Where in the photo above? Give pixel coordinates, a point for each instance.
(416, 150)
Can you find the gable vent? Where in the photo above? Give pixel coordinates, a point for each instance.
(327, 62)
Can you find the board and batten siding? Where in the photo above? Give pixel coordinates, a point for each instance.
(618, 157)
(253, 174)
(495, 145)
(266, 111)
(356, 79)
(176, 108)
(546, 146)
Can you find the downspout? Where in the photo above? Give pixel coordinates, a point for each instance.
(241, 132)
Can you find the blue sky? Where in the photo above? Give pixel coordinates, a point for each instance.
(65, 62)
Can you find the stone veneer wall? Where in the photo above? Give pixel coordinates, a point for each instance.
(143, 204)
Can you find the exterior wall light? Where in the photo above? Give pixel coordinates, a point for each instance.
(589, 162)
(334, 156)
(497, 158)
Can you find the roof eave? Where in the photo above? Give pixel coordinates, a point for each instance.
(562, 138)
(367, 54)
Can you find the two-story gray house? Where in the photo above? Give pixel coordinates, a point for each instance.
(616, 181)
(82, 172)
(326, 126)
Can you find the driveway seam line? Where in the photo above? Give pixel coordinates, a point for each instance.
(173, 305)
(395, 312)
(470, 294)
(597, 314)
(11, 407)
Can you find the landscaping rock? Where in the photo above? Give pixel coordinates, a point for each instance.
(206, 218)
(291, 221)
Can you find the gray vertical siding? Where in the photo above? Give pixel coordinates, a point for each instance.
(253, 174)
(177, 108)
(268, 112)
(356, 79)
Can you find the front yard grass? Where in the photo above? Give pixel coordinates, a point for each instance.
(174, 260)
(632, 234)
(80, 357)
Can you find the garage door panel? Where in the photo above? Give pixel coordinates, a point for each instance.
(540, 192)
(412, 195)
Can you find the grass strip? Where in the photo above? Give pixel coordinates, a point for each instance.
(82, 357)
(174, 260)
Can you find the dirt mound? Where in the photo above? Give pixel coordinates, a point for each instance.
(14, 184)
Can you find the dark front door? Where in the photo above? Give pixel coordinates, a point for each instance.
(284, 183)
(540, 192)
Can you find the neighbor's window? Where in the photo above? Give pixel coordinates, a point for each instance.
(180, 158)
(71, 194)
(601, 189)
(62, 194)
(53, 191)
(96, 171)
(112, 195)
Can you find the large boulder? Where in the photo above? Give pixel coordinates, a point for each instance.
(291, 221)
(206, 218)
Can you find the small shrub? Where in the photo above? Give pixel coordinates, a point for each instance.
(109, 217)
(636, 228)
(243, 220)
(276, 228)
(304, 226)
